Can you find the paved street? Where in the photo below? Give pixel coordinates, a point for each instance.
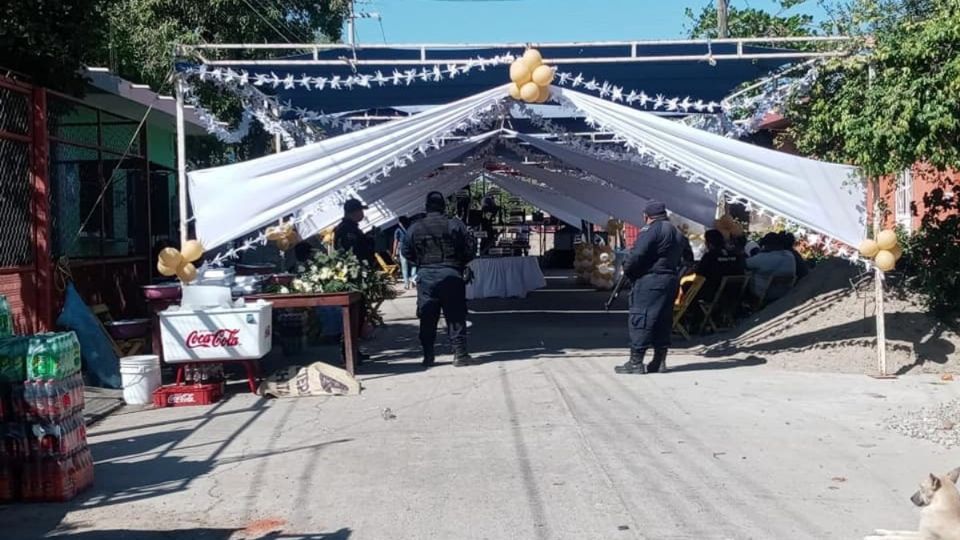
(542, 441)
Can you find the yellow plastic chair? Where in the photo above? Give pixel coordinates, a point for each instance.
(392, 271)
(684, 300)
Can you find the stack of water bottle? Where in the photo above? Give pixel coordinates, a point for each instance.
(43, 441)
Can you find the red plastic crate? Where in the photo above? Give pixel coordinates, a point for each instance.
(180, 395)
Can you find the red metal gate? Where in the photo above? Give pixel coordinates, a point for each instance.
(26, 268)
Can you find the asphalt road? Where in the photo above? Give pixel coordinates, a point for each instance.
(542, 441)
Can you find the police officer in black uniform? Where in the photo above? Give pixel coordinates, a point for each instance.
(348, 236)
(441, 247)
(653, 266)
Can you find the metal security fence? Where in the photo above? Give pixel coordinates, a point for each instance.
(16, 242)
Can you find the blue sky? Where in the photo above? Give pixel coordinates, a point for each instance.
(492, 21)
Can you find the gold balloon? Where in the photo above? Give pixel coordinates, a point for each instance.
(187, 273)
(885, 260)
(192, 250)
(284, 244)
(275, 233)
(520, 72)
(530, 92)
(544, 94)
(514, 90)
(533, 58)
(543, 75)
(869, 248)
(165, 270)
(897, 252)
(171, 257)
(887, 239)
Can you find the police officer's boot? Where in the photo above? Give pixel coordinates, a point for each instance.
(634, 365)
(461, 358)
(428, 357)
(659, 363)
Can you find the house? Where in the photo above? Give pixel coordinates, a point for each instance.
(87, 187)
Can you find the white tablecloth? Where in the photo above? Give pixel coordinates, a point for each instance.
(506, 277)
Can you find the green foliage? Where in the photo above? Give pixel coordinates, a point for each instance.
(751, 22)
(908, 111)
(933, 254)
(48, 39)
(143, 33)
(341, 272)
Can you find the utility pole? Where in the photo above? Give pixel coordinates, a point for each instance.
(351, 21)
(722, 11)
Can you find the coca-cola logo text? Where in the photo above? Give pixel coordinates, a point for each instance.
(218, 338)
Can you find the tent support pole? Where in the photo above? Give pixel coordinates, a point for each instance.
(881, 327)
(878, 284)
(181, 164)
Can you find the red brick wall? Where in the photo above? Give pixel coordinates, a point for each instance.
(924, 180)
(20, 289)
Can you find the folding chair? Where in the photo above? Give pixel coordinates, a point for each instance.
(392, 271)
(786, 282)
(724, 303)
(122, 347)
(684, 301)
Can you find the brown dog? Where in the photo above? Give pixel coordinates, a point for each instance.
(940, 515)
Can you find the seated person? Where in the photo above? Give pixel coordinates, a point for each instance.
(772, 261)
(790, 243)
(686, 256)
(716, 263)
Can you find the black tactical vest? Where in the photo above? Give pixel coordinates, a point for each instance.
(435, 242)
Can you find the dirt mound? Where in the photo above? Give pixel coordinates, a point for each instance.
(827, 323)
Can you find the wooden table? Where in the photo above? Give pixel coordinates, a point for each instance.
(351, 302)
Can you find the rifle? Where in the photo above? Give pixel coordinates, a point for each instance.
(616, 291)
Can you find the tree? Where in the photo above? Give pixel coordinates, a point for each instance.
(750, 22)
(907, 111)
(142, 34)
(893, 107)
(51, 40)
(47, 39)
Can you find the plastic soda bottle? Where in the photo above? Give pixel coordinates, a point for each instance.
(6, 317)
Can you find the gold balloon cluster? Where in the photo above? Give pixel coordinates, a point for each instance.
(603, 268)
(283, 236)
(583, 262)
(327, 237)
(179, 262)
(885, 250)
(728, 227)
(531, 78)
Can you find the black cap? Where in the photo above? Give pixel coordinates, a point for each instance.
(436, 202)
(352, 205)
(655, 208)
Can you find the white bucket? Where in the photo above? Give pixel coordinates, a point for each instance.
(140, 376)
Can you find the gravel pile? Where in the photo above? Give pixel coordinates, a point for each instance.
(940, 424)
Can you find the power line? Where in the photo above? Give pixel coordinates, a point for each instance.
(264, 19)
(287, 23)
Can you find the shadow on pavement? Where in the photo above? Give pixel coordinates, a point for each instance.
(197, 534)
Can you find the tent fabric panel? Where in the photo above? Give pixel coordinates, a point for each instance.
(682, 197)
(826, 197)
(236, 199)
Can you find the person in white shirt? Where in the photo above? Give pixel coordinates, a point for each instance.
(773, 261)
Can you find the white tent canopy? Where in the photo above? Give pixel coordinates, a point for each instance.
(825, 197)
(388, 165)
(234, 200)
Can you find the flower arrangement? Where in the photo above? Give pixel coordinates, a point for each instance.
(343, 272)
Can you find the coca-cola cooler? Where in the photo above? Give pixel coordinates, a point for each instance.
(216, 333)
